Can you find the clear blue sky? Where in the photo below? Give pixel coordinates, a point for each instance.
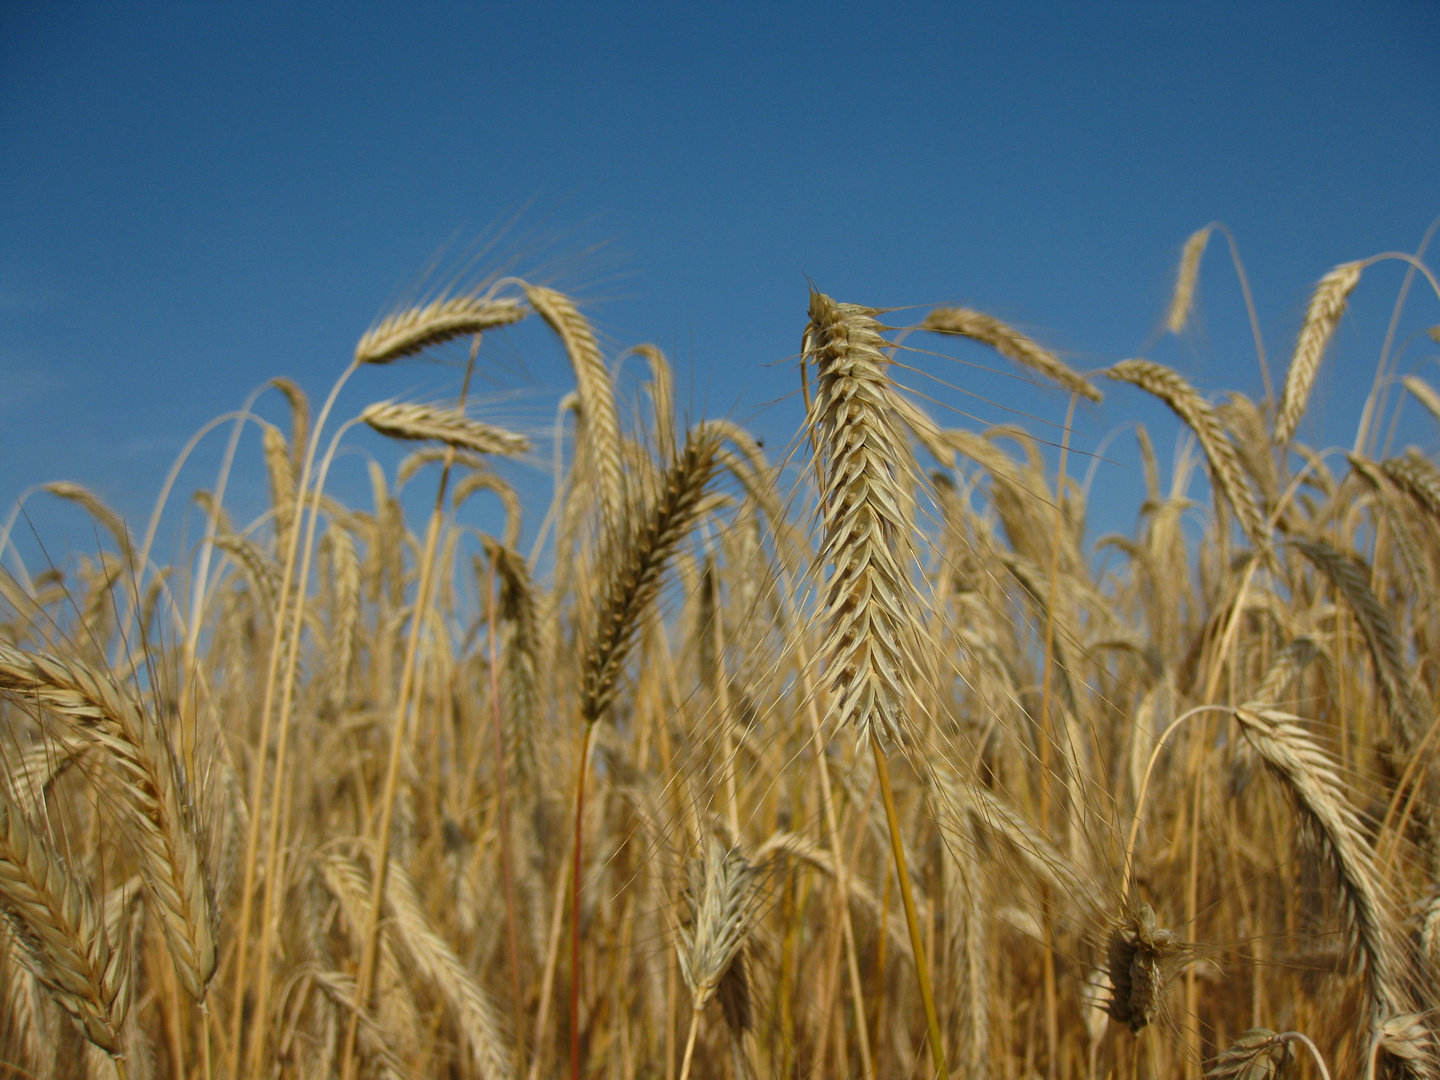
(195, 197)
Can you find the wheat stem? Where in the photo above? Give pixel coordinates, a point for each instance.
(507, 874)
(257, 790)
(381, 851)
(912, 921)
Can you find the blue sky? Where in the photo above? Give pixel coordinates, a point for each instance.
(195, 198)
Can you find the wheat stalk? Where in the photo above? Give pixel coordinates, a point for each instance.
(1322, 315)
(871, 639)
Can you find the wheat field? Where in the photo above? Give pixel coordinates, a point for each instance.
(859, 758)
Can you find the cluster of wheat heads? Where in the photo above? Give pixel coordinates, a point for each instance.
(751, 767)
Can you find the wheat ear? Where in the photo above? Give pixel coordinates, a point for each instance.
(159, 816)
(721, 897)
(1183, 299)
(1140, 958)
(642, 542)
(871, 638)
(1351, 580)
(865, 514)
(1418, 478)
(1327, 305)
(639, 555)
(593, 381)
(1310, 776)
(371, 938)
(1011, 344)
(280, 465)
(1173, 389)
(418, 328)
(1258, 1054)
(60, 932)
(449, 426)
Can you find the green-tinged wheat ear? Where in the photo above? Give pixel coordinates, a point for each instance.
(646, 536)
(1011, 344)
(418, 328)
(867, 545)
(158, 814)
(1173, 389)
(60, 931)
(449, 426)
(1327, 305)
(1183, 299)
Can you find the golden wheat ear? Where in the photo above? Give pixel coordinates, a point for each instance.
(1141, 958)
(1185, 402)
(721, 899)
(865, 513)
(1322, 316)
(419, 328)
(1258, 1054)
(157, 813)
(643, 542)
(1011, 344)
(449, 426)
(1182, 301)
(60, 932)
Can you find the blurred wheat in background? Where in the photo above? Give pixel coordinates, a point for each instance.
(752, 767)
